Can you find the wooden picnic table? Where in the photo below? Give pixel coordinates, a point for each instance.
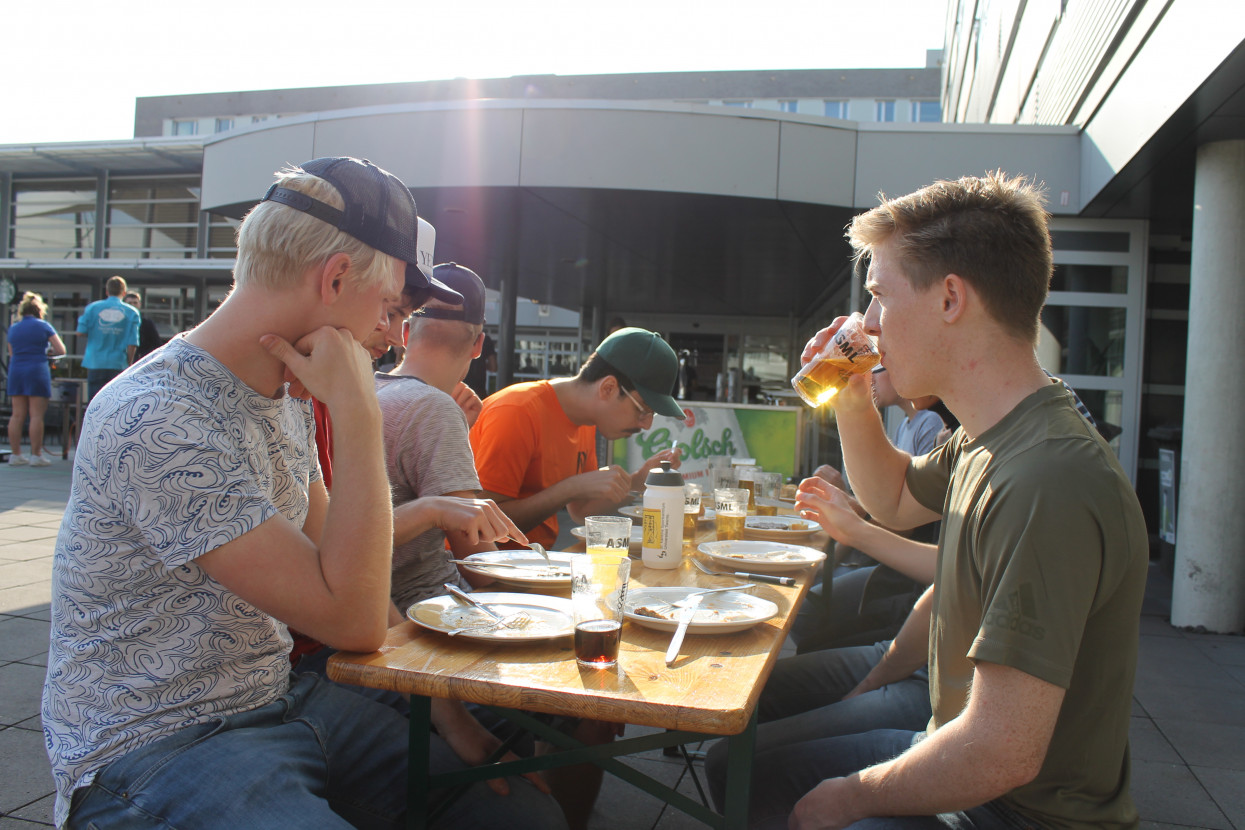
(710, 690)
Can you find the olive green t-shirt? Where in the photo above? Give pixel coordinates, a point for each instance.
(1041, 567)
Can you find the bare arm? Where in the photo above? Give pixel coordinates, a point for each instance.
(996, 744)
(58, 346)
(336, 591)
(585, 494)
(875, 468)
(826, 504)
(907, 652)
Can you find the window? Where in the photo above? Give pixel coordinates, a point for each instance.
(54, 219)
(787, 106)
(836, 109)
(744, 104)
(926, 111)
(223, 124)
(152, 218)
(255, 119)
(184, 127)
(884, 111)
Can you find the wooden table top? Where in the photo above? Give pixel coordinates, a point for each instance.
(712, 687)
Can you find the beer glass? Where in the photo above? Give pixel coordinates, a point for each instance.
(849, 352)
(692, 509)
(607, 534)
(598, 594)
(747, 481)
(765, 490)
(731, 504)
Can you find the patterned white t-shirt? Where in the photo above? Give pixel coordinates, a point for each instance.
(177, 457)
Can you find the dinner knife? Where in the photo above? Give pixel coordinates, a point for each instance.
(687, 609)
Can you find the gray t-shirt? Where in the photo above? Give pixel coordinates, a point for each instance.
(427, 453)
(177, 458)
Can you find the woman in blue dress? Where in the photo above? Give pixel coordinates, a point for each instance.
(30, 379)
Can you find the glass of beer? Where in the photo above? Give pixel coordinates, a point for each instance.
(766, 490)
(598, 594)
(692, 508)
(607, 534)
(747, 481)
(731, 504)
(849, 352)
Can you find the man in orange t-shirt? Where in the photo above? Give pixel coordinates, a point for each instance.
(535, 443)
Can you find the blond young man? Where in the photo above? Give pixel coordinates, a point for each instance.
(198, 529)
(1042, 562)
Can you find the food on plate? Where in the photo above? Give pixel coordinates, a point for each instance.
(775, 555)
(798, 525)
(645, 611)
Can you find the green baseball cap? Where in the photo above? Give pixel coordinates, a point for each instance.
(649, 363)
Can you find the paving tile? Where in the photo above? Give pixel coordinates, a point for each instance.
(1206, 744)
(18, 824)
(21, 638)
(1154, 825)
(24, 551)
(1170, 793)
(34, 724)
(1158, 627)
(1172, 661)
(40, 811)
(1227, 787)
(619, 799)
(1204, 703)
(28, 774)
(26, 572)
(41, 613)
(1147, 743)
(26, 599)
(1223, 650)
(21, 690)
(25, 533)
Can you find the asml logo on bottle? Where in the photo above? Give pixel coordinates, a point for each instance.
(1020, 615)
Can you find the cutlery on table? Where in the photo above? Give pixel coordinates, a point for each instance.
(536, 569)
(789, 581)
(687, 609)
(463, 596)
(539, 548)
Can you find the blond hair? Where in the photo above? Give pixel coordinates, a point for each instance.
(32, 303)
(990, 230)
(277, 244)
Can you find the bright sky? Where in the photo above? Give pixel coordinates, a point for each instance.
(76, 66)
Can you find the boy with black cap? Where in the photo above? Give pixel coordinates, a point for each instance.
(535, 443)
(198, 528)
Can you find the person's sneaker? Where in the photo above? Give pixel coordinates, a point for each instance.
(16, 460)
(39, 461)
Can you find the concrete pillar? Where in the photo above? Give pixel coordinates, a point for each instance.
(1209, 584)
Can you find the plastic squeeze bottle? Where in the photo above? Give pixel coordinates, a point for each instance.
(662, 545)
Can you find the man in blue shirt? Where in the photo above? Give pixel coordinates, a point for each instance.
(111, 329)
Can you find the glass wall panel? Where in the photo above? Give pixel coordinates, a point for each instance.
(1107, 407)
(54, 220)
(1090, 340)
(222, 237)
(1102, 279)
(153, 218)
(765, 360)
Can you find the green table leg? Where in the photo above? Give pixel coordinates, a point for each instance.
(418, 763)
(740, 750)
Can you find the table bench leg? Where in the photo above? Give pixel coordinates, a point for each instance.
(418, 763)
(740, 751)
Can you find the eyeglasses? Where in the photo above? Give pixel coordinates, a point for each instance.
(645, 412)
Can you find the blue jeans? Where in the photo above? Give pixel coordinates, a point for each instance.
(318, 757)
(803, 702)
(96, 379)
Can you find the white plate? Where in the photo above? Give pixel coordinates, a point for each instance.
(636, 511)
(637, 535)
(779, 528)
(534, 574)
(761, 557)
(552, 616)
(723, 613)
